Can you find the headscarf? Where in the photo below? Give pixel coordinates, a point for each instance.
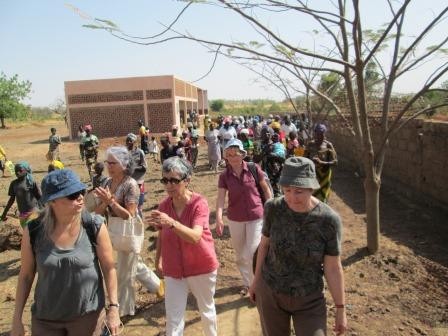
(320, 128)
(57, 164)
(23, 165)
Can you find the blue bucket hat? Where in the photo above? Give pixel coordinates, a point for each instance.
(236, 143)
(60, 183)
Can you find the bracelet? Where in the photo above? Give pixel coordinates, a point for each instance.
(113, 305)
(340, 306)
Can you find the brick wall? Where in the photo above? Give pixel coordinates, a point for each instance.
(107, 121)
(160, 117)
(416, 159)
(158, 94)
(105, 97)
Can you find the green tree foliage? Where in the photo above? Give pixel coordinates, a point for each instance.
(217, 105)
(12, 93)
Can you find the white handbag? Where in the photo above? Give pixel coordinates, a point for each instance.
(126, 235)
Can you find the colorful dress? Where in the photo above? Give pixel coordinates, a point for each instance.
(325, 152)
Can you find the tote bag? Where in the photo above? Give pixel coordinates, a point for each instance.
(126, 235)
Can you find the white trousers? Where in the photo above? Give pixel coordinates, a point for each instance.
(245, 237)
(176, 293)
(130, 266)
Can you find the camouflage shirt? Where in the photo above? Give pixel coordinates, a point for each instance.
(298, 243)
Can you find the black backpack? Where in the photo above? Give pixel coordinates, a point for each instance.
(35, 226)
(254, 171)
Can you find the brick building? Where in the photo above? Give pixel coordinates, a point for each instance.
(113, 106)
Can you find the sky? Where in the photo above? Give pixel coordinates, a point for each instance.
(44, 42)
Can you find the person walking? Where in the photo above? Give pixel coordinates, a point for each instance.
(139, 167)
(245, 207)
(119, 199)
(185, 249)
(53, 148)
(322, 153)
(26, 192)
(71, 253)
(300, 244)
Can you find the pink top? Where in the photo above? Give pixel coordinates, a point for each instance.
(180, 258)
(244, 199)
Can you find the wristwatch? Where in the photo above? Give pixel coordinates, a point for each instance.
(113, 305)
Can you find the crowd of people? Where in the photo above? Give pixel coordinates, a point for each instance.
(276, 177)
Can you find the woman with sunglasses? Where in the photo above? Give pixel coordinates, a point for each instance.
(119, 198)
(70, 252)
(185, 249)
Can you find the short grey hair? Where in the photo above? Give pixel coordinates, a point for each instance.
(121, 154)
(177, 165)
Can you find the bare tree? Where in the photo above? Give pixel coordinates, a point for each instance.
(346, 50)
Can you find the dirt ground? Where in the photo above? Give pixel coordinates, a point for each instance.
(402, 290)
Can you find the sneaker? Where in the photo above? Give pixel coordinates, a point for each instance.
(244, 291)
(161, 291)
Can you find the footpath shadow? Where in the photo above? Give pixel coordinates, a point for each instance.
(422, 228)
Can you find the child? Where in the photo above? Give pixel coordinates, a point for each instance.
(277, 147)
(153, 149)
(180, 151)
(3, 160)
(99, 180)
(53, 148)
(294, 146)
(25, 190)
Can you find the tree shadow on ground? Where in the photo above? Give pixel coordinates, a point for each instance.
(6, 271)
(419, 227)
(65, 139)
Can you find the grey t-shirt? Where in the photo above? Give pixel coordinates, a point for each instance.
(69, 282)
(139, 165)
(26, 196)
(298, 243)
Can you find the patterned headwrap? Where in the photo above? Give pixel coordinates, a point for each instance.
(23, 165)
(321, 128)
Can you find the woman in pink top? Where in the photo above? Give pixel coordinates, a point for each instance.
(185, 249)
(245, 208)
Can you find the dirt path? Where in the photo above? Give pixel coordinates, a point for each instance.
(403, 290)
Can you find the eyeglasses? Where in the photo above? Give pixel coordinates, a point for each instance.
(171, 180)
(75, 195)
(110, 163)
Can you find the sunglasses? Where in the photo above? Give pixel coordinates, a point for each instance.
(75, 195)
(171, 180)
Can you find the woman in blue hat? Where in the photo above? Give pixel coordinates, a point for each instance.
(70, 250)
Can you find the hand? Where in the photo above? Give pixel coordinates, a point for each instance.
(159, 267)
(104, 195)
(340, 325)
(219, 227)
(160, 219)
(113, 320)
(17, 329)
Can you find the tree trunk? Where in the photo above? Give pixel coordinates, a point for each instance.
(2, 121)
(372, 193)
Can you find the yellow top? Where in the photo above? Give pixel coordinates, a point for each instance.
(2, 153)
